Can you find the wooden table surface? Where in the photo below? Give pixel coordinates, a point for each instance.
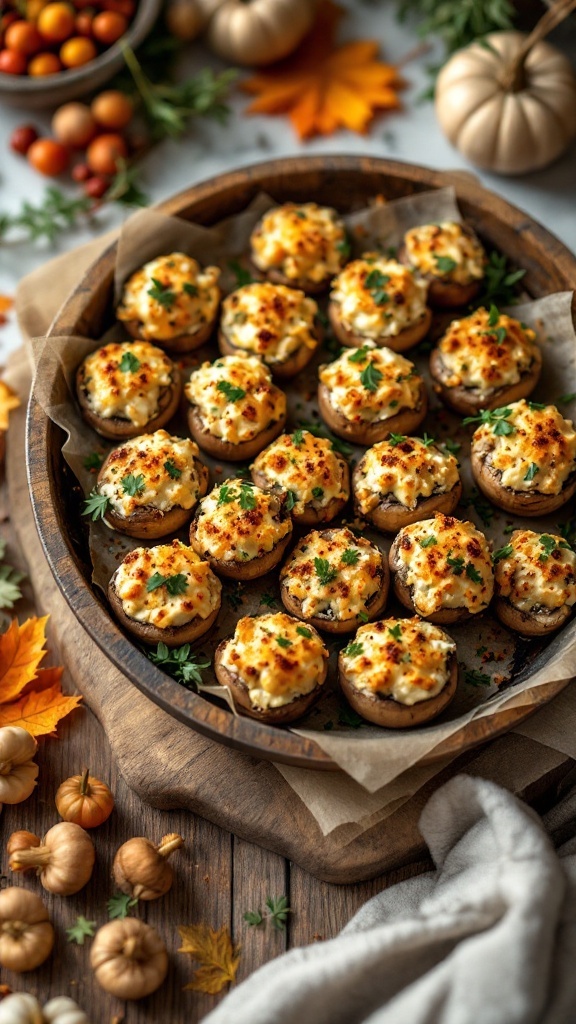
(217, 878)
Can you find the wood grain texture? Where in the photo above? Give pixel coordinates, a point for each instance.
(347, 183)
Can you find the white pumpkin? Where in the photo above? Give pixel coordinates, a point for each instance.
(505, 113)
(21, 1008)
(18, 772)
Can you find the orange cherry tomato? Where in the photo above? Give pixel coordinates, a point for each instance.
(84, 24)
(44, 64)
(33, 8)
(73, 125)
(77, 51)
(56, 22)
(12, 62)
(23, 37)
(109, 26)
(112, 109)
(22, 138)
(104, 152)
(48, 157)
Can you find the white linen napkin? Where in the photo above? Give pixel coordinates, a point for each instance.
(489, 937)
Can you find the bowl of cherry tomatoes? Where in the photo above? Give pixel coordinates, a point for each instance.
(56, 50)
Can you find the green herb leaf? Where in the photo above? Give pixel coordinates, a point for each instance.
(93, 461)
(456, 564)
(81, 930)
(324, 571)
(180, 662)
(499, 279)
(129, 363)
(497, 418)
(268, 600)
(536, 405)
(371, 377)
(549, 545)
(319, 430)
(472, 573)
(502, 553)
(226, 494)
(451, 446)
(253, 917)
(569, 397)
(317, 493)
(53, 215)
(427, 441)
(172, 470)
(298, 437)
(493, 316)
(531, 471)
(119, 905)
(283, 642)
(344, 248)
(133, 485)
(374, 283)
(395, 631)
(291, 499)
(304, 632)
(233, 393)
(476, 678)
(350, 556)
(243, 276)
(363, 617)
(445, 264)
(175, 585)
(395, 439)
(125, 186)
(95, 505)
(353, 649)
(427, 542)
(162, 293)
(359, 356)
(10, 579)
(190, 289)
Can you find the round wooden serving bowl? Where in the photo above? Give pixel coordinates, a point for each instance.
(51, 90)
(345, 182)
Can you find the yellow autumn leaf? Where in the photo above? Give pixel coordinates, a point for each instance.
(21, 651)
(39, 712)
(8, 400)
(215, 952)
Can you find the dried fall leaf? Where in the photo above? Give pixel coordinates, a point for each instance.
(8, 400)
(216, 953)
(21, 651)
(39, 713)
(6, 303)
(323, 88)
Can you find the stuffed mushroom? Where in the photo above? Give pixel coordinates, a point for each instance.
(300, 244)
(534, 582)
(315, 478)
(450, 257)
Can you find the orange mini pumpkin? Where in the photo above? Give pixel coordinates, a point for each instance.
(84, 800)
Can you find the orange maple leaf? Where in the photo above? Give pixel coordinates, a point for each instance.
(215, 952)
(8, 400)
(30, 697)
(323, 88)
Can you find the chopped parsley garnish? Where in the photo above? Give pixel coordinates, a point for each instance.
(129, 363)
(133, 485)
(363, 616)
(175, 585)
(93, 461)
(185, 665)
(302, 631)
(499, 281)
(298, 437)
(427, 542)
(233, 393)
(371, 377)
(472, 573)
(569, 397)
(496, 417)
(269, 600)
(532, 470)
(476, 678)
(395, 439)
(493, 316)
(162, 293)
(350, 556)
(172, 470)
(242, 275)
(456, 564)
(318, 493)
(451, 446)
(95, 505)
(291, 499)
(502, 553)
(190, 289)
(427, 441)
(375, 283)
(536, 405)
(353, 649)
(359, 356)
(283, 641)
(324, 571)
(497, 332)
(550, 544)
(247, 497)
(445, 264)
(395, 631)
(226, 494)
(344, 247)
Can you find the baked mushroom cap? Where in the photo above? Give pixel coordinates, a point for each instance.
(172, 636)
(227, 450)
(533, 623)
(467, 401)
(304, 237)
(535, 582)
(520, 503)
(282, 370)
(389, 713)
(236, 570)
(401, 342)
(406, 421)
(283, 715)
(117, 429)
(305, 467)
(390, 515)
(450, 284)
(182, 342)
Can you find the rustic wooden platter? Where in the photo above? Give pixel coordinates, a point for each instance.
(344, 182)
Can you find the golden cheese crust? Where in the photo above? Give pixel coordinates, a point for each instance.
(448, 250)
(304, 242)
(169, 297)
(238, 522)
(378, 298)
(333, 574)
(403, 469)
(153, 470)
(371, 385)
(407, 660)
(235, 398)
(306, 467)
(166, 586)
(270, 320)
(126, 381)
(531, 448)
(536, 571)
(446, 564)
(276, 658)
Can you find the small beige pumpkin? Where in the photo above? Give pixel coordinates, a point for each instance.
(508, 104)
(64, 859)
(26, 935)
(18, 772)
(22, 1008)
(248, 32)
(128, 958)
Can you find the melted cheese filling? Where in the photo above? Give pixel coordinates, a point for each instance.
(405, 659)
(348, 585)
(307, 466)
(447, 564)
(170, 296)
(536, 574)
(371, 385)
(486, 356)
(226, 529)
(225, 413)
(378, 298)
(303, 241)
(538, 455)
(126, 380)
(429, 245)
(275, 673)
(158, 606)
(144, 460)
(271, 320)
(407, 471)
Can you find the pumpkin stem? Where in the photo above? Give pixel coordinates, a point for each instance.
(5, 767)
(132, 948)
(168, 844)
(513, 77)
(37, 857)
(84, 784)
(15, 929)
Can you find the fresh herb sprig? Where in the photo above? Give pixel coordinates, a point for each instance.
(80, 930)
(182, 663)
(276, 912)
(55, 213)
(458, 22)
(10, 580)
(499, 287)
(497, 418)
(119, 905)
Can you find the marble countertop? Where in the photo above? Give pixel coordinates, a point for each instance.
(411, 135)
